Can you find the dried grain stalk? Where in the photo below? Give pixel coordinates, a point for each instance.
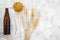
(36, 22)
(32, 15)
(27, 35)
(25, 11)
(27, 32)
(29, 24)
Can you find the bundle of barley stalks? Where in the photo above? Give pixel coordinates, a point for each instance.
(31, 24)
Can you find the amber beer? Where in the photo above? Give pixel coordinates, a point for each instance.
(6, 22)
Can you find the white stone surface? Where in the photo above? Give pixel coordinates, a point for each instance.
(49, 25)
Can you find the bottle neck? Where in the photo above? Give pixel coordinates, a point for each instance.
(6, 9)
(6, 12)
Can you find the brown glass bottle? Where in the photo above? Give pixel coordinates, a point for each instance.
(6, 22)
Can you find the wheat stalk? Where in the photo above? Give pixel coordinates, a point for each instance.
(28, 24)
(32, 15)
(25, 11)
(34, 22)
(27, 35)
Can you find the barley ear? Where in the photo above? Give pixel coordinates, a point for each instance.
(36, 22)
(26, 11)
(32, 15)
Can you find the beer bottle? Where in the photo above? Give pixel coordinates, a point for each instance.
(6, 22)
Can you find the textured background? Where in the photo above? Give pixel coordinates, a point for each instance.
(49, 25)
